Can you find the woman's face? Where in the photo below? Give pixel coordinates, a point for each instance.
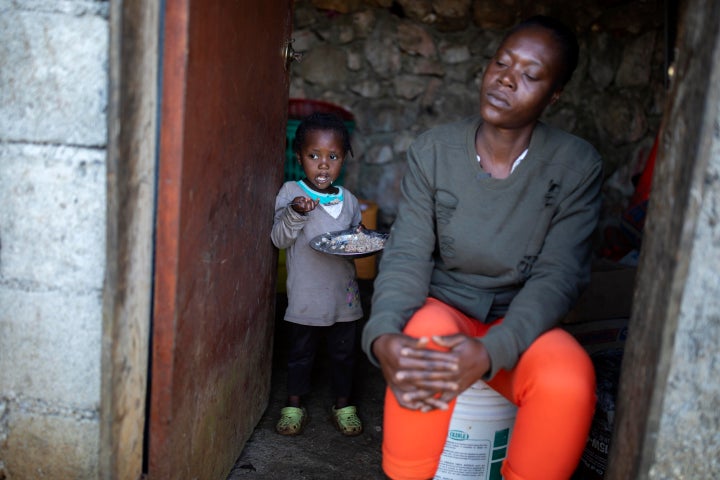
(322, 157)
(521, 79)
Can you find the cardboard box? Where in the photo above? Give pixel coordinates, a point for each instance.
(600, 335)
(609, 294)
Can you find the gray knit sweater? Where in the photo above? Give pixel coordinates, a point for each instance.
(322, 289)
(517, 247)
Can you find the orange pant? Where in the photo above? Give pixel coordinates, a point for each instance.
(553, 385)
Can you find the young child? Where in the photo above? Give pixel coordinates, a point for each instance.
(323, 294)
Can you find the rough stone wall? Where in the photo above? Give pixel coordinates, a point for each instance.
(53, 89)
(401, 67)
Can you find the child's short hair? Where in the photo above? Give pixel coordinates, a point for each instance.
(321, 121)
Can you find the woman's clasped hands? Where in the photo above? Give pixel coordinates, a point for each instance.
(423, 378)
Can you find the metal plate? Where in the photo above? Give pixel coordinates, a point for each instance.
(350, 243)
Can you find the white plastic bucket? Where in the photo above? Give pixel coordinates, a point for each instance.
(478, 437)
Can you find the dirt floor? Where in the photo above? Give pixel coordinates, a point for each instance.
(320, 452)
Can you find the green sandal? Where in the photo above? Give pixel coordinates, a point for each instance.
(292, 420)
(347, 421)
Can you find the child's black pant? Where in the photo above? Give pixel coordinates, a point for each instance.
(340, 340)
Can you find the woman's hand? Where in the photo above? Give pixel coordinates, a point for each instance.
(424, 379)
(303, 204)
(471, 358)
(407, 367)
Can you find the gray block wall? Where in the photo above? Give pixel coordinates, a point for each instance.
(53, 136)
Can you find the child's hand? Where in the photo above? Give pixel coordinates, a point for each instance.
(303, 204)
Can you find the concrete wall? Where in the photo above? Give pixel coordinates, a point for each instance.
(53, 137)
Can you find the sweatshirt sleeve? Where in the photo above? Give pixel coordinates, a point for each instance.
(558, 275)
(287, 222)
(402, 284)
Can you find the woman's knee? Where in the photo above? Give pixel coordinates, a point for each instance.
(558, 365)
(433, 318)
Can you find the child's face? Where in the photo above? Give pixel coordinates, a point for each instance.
(322, 157)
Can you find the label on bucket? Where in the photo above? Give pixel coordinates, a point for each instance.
(478, 458)
(464, 459)
(478, 436)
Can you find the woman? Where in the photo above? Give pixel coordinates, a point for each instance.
(489, 250)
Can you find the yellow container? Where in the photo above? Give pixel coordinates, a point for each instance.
(367, 266)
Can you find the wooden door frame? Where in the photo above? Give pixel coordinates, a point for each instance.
(131, 191)
(132, 152)
(684, 152)
(221, 148)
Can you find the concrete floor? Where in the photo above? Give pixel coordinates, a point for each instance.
(320, 452)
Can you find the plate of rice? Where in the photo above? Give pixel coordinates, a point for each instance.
(353, 243)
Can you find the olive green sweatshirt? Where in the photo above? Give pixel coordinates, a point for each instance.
(518, 247)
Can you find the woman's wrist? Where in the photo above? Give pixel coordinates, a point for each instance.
(374, 345)
(484, 362)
